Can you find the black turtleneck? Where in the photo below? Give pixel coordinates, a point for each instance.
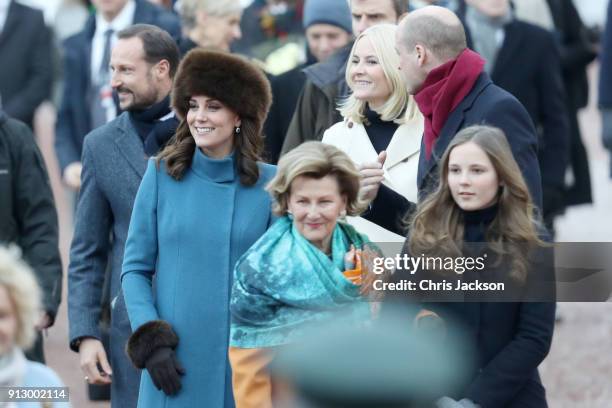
(380, 132)
(477, 222)
(153, 132)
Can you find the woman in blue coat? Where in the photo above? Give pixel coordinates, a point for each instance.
(200, 206)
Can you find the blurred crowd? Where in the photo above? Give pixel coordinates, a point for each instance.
(145, 79)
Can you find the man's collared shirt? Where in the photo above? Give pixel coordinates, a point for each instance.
(124, 19)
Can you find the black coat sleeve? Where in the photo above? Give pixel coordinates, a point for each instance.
(37, 218)
(554, 144)
(605, 71)
(510, 116)
(502, 379)
(303, 121)
(389, 209)
(575, 48)
(67, 148)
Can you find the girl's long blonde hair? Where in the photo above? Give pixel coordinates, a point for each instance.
(438, 226)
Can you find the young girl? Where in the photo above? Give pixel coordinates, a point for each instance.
(482, 198)
(19, 311)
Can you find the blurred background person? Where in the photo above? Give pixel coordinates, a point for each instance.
(269, 25)
(209, 24)
(169, 4)
(210, 176)
(87, 98)
(381, 121)
(305, 267)
(449, 4)
(578, 48)
(327, 24)
(19, 313)
(315, 111)
(524, 60)
(605, 86)
(28, 217)
(26, 73)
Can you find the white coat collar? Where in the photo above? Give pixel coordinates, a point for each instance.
(406, 141)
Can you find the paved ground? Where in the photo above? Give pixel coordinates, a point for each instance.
(577, 372)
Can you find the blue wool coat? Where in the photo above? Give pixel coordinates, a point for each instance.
(189, 234)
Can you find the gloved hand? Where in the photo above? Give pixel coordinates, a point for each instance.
(165, 370)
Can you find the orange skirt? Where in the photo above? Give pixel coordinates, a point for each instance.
(250, 377)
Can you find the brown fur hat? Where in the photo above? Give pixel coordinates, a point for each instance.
(232, 80)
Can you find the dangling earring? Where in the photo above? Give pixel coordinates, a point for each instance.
(237, 130)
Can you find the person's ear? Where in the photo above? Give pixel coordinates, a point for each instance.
(162, 68)
(421, 55)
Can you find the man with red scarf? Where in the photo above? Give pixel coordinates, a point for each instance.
(453, 91)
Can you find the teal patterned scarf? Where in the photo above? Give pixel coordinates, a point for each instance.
(283, 282)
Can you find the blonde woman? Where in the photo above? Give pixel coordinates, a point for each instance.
(210, 24)
(381, 120)
(19, 312)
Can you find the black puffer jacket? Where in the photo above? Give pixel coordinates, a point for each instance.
(27, 210)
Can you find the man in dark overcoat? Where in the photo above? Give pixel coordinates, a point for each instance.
(27, 215)
(26, 72)
(454, 92)
(524, 60)
(471, 101)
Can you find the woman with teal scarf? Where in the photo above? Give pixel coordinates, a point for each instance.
(306, 268)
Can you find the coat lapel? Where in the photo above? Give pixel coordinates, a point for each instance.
(507, 53)
(129, 145)
(85, 50)
(405, 142)
(359, 146)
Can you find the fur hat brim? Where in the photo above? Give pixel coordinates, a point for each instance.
(232, 80)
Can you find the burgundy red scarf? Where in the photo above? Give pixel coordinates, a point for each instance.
(443, 89)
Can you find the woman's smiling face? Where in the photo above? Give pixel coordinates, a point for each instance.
(316, 205)
(367, 77)
(212, 126)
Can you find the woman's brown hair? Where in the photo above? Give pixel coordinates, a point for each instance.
(248, 145)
